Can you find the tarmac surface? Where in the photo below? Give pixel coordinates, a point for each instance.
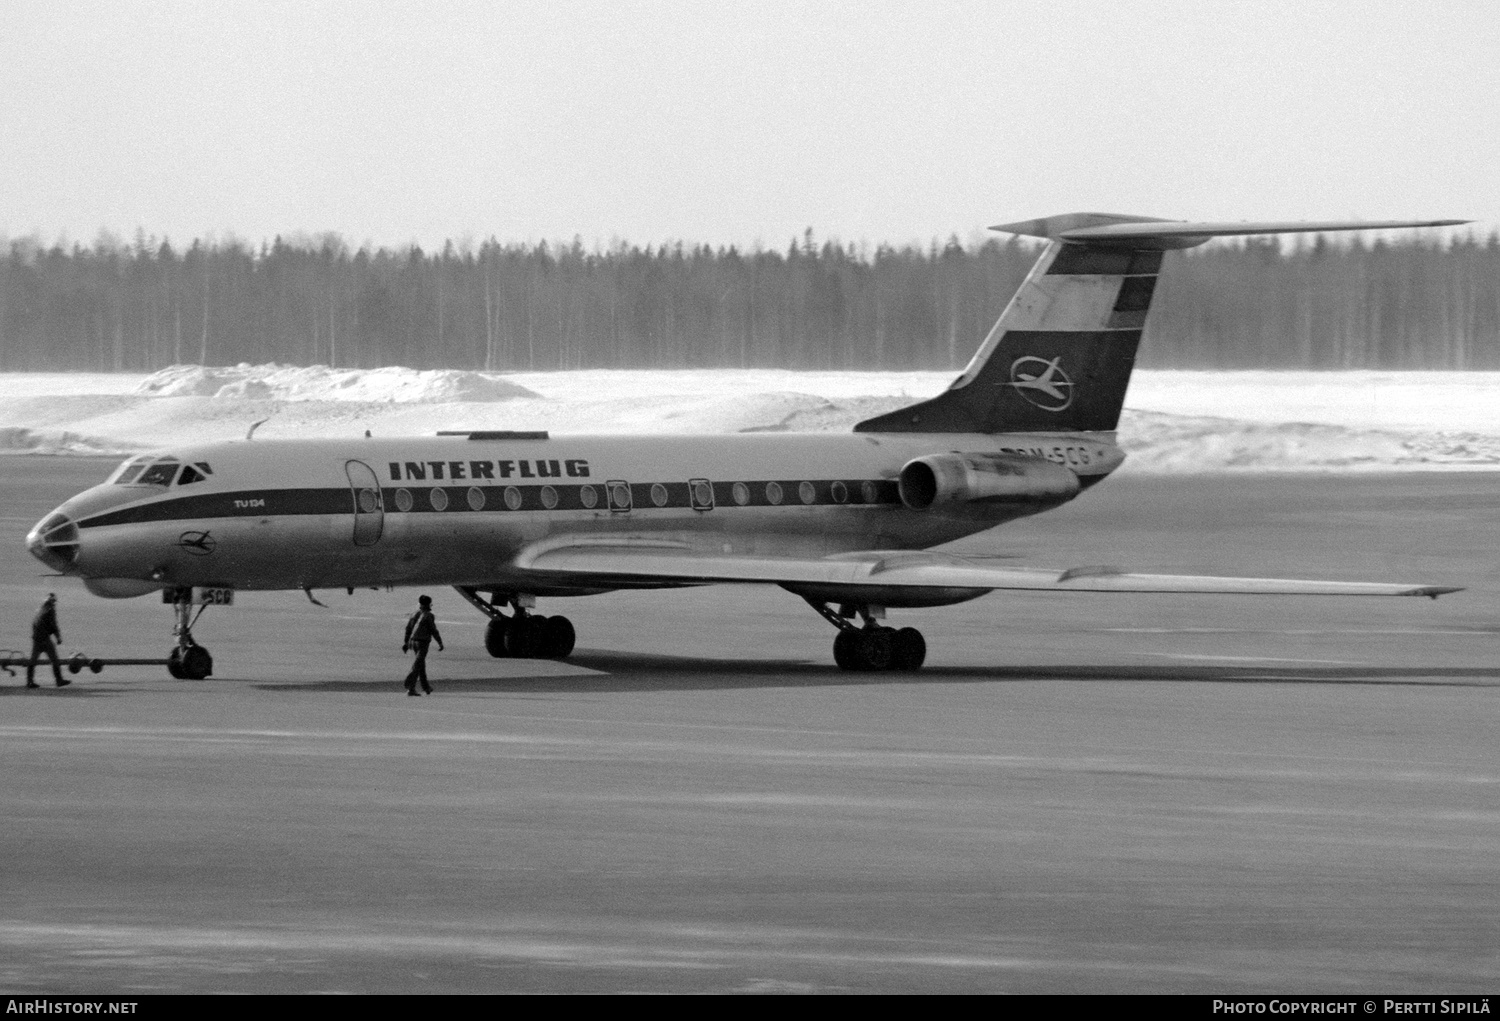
(1082, 793)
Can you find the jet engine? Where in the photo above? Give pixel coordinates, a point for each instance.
(948, 479)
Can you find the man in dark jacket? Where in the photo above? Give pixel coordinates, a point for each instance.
(421, 631)
(43, 631)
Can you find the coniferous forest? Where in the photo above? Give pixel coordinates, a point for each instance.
(1420, 303)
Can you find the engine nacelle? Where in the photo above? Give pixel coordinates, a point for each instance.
(939, 479)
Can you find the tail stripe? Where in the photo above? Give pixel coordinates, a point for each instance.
(1089, 260)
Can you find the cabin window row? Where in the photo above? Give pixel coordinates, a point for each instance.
(697, 494)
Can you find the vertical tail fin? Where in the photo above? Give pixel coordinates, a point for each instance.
(1060, 356)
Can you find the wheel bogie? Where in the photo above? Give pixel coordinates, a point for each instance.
(536, 637)
(879, 648)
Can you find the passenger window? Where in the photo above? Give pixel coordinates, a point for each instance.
(190, 474)
(159, 474)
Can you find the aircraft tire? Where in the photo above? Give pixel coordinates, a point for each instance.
(875, 648)
(844, 653)
(174, 663)
(908, 649)
(521, 637)
(557, 638)
(196, 663)
(95, 665)
(494, 637)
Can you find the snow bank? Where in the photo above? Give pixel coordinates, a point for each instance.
(320, 383)
(1174, 421)
(1163, 444)
(15, 440)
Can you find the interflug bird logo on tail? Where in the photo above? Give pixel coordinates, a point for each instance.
(1042, 382)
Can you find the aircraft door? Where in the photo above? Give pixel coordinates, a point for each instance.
(369, 507)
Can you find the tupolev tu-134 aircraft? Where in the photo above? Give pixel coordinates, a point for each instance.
(846, 521)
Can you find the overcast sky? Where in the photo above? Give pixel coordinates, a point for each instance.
(708, 121)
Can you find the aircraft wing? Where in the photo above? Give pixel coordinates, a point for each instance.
(659, 562)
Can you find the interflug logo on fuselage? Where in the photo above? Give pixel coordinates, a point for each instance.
(200, 544)
(1042, 382)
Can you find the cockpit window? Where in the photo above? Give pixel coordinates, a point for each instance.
(128, 470)
(141, 471)
(159, 474)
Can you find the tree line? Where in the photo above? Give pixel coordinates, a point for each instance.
(1418, 303)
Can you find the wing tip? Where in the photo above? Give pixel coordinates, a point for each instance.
(1432, 591)
(1116, 228)
(1090, 571)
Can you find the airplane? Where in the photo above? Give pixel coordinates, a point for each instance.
(845, 521)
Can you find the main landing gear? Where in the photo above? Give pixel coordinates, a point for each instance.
(872, 646)
(522, 635)
(188, 660)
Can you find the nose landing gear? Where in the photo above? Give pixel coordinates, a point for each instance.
(522, 635)
(873, 646)
(188, 660)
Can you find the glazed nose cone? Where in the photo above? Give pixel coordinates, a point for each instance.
(54, 541)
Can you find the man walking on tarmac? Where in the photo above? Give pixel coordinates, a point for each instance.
(421, 631)
(43, 630)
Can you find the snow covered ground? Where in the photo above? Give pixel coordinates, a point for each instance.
(1174, 421)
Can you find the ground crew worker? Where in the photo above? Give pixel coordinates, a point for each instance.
(421, 631)
(43, 630)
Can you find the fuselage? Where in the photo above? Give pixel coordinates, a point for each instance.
(457, 509)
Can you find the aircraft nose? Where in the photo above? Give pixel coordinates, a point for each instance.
(54, 541)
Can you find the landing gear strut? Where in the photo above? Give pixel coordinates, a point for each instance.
(188, 660)
(872, 646)
(522, 635)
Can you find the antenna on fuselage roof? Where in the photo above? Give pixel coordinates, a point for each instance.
(250, 433)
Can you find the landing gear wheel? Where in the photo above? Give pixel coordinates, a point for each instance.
(494, 636)
(844, 653)
(908, 649)
(869, 649)
(188, 660)
(557, 637)
(521, 636)
(875, 648)
(880, 648)
(196, 663)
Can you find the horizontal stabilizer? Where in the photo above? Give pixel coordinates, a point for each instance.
(1141, 232)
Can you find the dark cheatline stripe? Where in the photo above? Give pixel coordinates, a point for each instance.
(1087, 260)
(249, 504)
(456, 499)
